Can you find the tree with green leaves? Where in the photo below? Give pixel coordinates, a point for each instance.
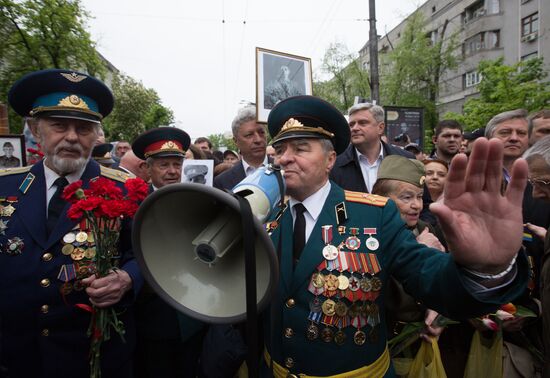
(348, 78)
(40, 34)
(137, 109)
(504, 88)
(411, 73)
(220, 140)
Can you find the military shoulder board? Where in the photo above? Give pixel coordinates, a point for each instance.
(369, 199)
(14, 171)
(114, 174)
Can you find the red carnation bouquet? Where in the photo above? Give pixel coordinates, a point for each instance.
(103, 207)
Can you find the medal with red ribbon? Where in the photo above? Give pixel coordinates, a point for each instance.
(371, 242)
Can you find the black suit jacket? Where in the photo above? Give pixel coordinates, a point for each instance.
(347, 171)
(231, 177)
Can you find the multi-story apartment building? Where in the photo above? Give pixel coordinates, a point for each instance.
(486, 29)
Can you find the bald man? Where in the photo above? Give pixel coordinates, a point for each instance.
(130, 163)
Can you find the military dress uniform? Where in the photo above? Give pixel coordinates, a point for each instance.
(9, 162)
(43, 331)
(328, 316)
(44, 255)
(168, 342)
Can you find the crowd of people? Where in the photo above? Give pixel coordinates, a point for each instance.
(373, 237)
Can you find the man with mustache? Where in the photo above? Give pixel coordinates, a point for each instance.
(337, 249)
(44, 261)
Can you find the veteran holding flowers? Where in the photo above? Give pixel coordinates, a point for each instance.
(337, 249)
(48, 280)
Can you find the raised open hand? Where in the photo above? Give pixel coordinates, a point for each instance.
(483, 228)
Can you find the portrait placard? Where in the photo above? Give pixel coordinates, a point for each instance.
(198, 171)
(404, 125)
(279, 76)
(12, 151)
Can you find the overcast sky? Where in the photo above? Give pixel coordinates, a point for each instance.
(202, 67)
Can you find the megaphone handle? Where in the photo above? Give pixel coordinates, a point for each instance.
(249, 236)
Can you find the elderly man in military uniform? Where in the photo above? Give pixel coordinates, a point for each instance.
(42, 278)
(163, 149)
(8, 160)
(169, 343)
(337, 249)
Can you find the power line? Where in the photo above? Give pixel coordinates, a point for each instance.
(240, 51)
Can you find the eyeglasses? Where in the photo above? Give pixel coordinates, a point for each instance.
(539, 183)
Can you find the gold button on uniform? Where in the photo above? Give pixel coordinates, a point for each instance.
(290, 303)
(289, 332)
(44, 309)
(289, 362)
(47, 256)
(44, 282)
(45, 332)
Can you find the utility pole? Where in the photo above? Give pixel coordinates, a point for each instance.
(373, 53)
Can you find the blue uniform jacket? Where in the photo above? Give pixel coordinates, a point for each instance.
(427, 274)
(43, 334)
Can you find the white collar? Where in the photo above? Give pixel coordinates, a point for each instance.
(315, 202)
(380, 155)
(246, 165)
(51, 176)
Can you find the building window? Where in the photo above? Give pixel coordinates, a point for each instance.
(479, 9)
(471, 78)
(530, 56)
(482, 41)
(493, 6)
(530, 24)
(492, 39)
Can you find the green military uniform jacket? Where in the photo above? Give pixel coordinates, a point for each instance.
(432, 276)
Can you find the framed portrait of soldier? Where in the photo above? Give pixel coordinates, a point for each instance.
(279, 76)
(198, 171)
(12, 151)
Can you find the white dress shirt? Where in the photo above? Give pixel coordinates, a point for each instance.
(248, 169)
(51, 176)
(313, 204)
(370, 171)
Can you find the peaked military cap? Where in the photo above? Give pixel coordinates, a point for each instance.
(308, 117)
(473, 135)
(161, 142)
(101, 149)
(396, 167)
(61, 93)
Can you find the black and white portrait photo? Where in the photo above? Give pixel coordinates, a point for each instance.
(12, 149)
(280, 76)
(198, 171)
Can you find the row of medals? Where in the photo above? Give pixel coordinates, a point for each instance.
(340, 284)
(80, 246)
(15, 245)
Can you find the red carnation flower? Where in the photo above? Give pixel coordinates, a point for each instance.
(90, 203)
(137, 189)
(113, 208)
(105, 187)
(75, 213)
(69, 193)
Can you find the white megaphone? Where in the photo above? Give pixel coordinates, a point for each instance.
(188, 240)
